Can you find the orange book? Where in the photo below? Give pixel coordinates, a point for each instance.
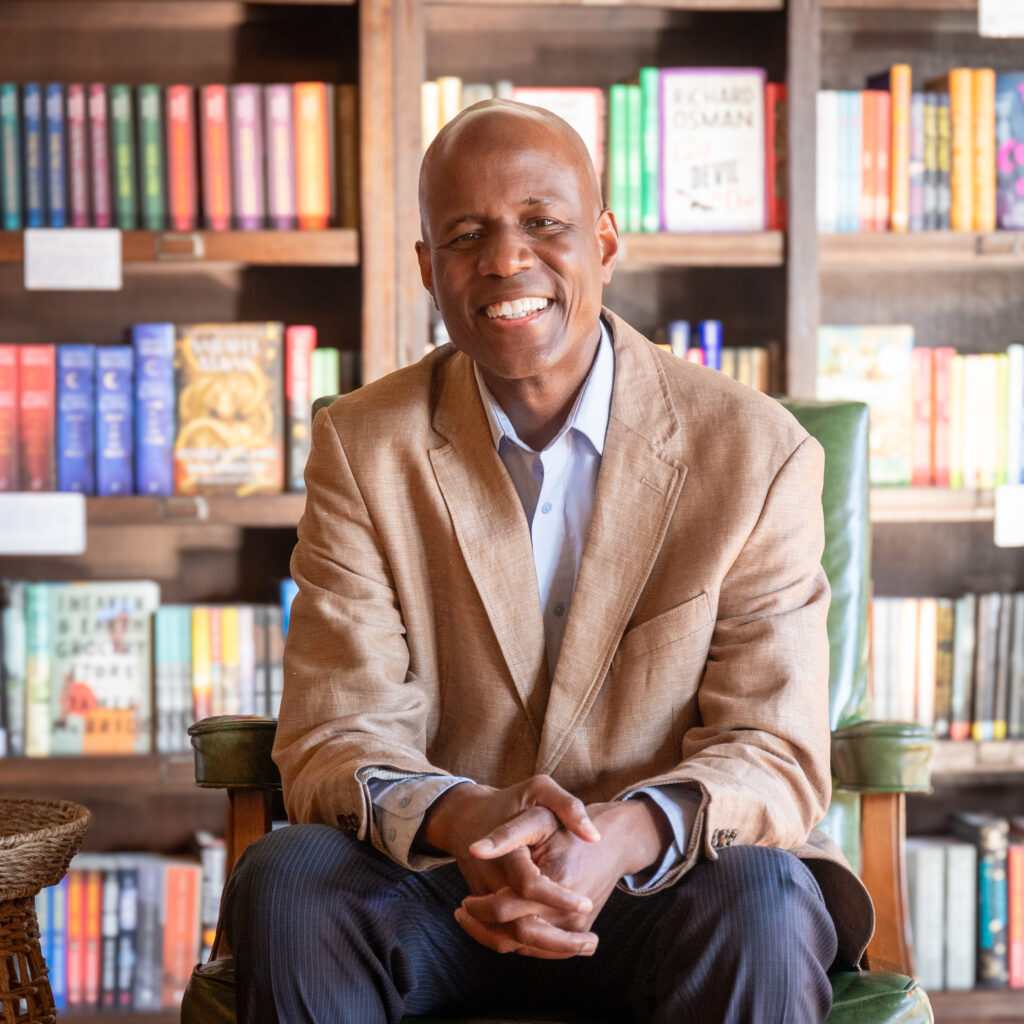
(216, 159)
(959, 83)
(868, 156)
(8, 418)
(92, 926)
(37, 368)
(202, 682)
(921, 371)
(312, 163)
(181, 158)
(942, 385)
(1015, 905)
(182, 881)
(899, 163)
(76, 938)
(883, 143)
(983, 108)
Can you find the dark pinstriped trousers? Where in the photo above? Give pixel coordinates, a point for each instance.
(325, 929)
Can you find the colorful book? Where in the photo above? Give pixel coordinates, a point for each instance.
(712, 149)
(149, 957)
(99, 148)
(986, 633)
(34, 155)
(634, 158)
(78, 156)
(10, 157)
(1009, 141)
(1015, 717)
(827, 160)
(944, 178)
(326, 370)
(246, 660)
(618, 143)
(922, 367)
(110, 887)
(926, 899)
(582, 108)
(8, 417)
(883, 163)
(964, 644)
(916, 163)
(181, 933)
(931, 162)
(216, 157)
(115, 420)
(650, 88)
(300, 343)
(202, 683)
(247, 156)
(152, 176)
(348, 176)
(76, 938)
(1002, 645)
(312, 162)
(14, 654)
(776, 166)
(127, 927)
(959, 85)
(58, 956)
(942, 384)
(122, 136)
(154, 408)
(76, 418)
(897, 81)
(37, 365)
(56, 164)
(37, 670)
(229, 383)
(944, 632)
(181, 157)
(983, 149)
(961, 901)
(280, 142)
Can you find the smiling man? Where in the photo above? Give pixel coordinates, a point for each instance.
(556, 675)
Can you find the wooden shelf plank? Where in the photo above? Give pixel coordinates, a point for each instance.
(678, 5)
(980, 1004)
(165, 772)
(153, 1017)
(335, 247)
(969, 759)
(931, 505)
(903, 5)
(712, 249)
(923, 250)
(257, 510)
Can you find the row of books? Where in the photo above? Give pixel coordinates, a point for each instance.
(749, 364)
(184, 409)
(103, 668)
(966, 903)
(682, 149)
(178, 157)
(948, 157)
(938, 417)
(956, 664)
(122, 932)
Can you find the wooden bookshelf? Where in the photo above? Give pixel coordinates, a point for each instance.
(257, 510)
(164, 771)
(998, 1006)
(902, 5)
(950, 250)
(155, 1017)
(677, 5)
(931, 505)
(969, 760)
(726, 249)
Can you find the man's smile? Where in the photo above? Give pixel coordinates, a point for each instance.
(517, 309)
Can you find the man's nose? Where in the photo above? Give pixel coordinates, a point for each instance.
(506, 252)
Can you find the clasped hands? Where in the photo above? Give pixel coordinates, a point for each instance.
(539, 863)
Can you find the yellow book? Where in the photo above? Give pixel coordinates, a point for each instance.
(450, 88)
(983, 105)
(202, 684)
(899, 165)
(229, 653)
(430, 111)
(959, 83)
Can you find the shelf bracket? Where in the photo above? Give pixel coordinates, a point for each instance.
(171, 246)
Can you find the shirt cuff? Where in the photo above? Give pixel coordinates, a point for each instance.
(680, 806)
(399, 805)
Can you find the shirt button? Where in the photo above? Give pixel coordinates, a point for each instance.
(559, 609)
(546, 507)
(391, 834)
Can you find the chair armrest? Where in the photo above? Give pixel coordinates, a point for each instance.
(883, 757)
(233, 752)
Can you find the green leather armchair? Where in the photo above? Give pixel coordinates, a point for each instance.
(874, 765)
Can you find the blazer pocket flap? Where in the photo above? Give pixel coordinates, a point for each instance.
(668, 627)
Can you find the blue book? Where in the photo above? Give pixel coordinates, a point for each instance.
(76, 418)
(10, 157)
(58, 958)
(35, 156)
(44, 920)
(56, 164)
(679, 337)
(154, 408)
(1010, 150)
(289, 588)
(711, 343)
(115, 433)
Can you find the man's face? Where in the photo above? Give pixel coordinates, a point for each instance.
(517, 251)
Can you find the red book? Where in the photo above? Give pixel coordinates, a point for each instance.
(868, 155)
(1015, 911)
(312, 163)
(99, 147)
(216, 157)
(181, 928)
(922, 383)
(8, 417)
(883, 146)
(181, 157)
(37, 470)
(942, 389)
(299, 343)
(78, 175)
(775, 158)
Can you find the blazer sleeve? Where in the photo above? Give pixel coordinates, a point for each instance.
(760, 756)
(350, 700)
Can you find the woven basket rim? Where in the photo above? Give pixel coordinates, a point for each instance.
(68, 817)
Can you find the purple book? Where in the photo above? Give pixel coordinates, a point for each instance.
(280, 134)
(154, 408)
(1010, 151)
(115, 435)
(78, 175)
(247, 156)
(76, 420)
(916, 222)
(99, 137)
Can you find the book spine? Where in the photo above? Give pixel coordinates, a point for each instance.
(56, 183)
(347, 105)
(311, 162)
(229, 660)
(1002, 667)
(827, 177)
(926, 885)
(275, 658)
(883, 160)
(78, 156)
(183, 663)
(651, 211)
(931, 162)
(35, 156)
(261, 696)
(942, 387)
(10, 155)
(216, 157)
(36, 416)
(300, 342)
(916, 164)
(922, 370)
(1015, 721)
(247, 154)
(280, 134)
(8, 417)
(634, 158)
(115, 433)
(122, 130)
(37, 670)
(181, 929)
(944, 625)
(982, 727)
(149, 945)
(127, 927)
(218, 704)
(109, 897)
(961, 915)
(944, 152)
(957, 384)
(202, 684)
(246, 661)
(93, 937)
(618, 141)
(1009, 142)
(961, 95)
(1015, 913)
(964, 642)
(1001, 371)
(76, 418)
(776, 153)
(99, 139)
(154, 408)
(711, 343)
(58, 958)
(163, 678)
(992, 951)
(983, 181)
(76, 938)
(151, 158)
(181, 157)
(868, 156)
(927, 652)
(1014, 415)
(899, 210)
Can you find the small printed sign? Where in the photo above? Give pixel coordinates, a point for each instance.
(42, 524)
(1000, 19)
(1010, 516)
(73, 259)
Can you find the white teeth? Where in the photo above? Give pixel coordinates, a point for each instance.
(516, 309)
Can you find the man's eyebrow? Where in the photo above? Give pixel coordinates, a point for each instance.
(477, 218)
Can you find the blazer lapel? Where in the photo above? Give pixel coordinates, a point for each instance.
(492, 532)
(638, 486)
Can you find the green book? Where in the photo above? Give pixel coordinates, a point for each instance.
(123, 144)
(10, 157)
(326, 373)
(151, 159)
(634, 158)
(618, 142)
(650, 219)
(37, 670)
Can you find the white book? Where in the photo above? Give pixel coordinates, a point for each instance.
(961, 914)
(1015, 415)
(582, 108)
(926, 898)
(828, 166)
(430, 111)
(879, 659)
(927, 647)
(974, 415)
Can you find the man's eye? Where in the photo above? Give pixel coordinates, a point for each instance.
(543, 222)
(467, 236)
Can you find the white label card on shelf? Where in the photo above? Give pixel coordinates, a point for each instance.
(1000, 19)
(73, 259)
(42, 524)
(1010, 516)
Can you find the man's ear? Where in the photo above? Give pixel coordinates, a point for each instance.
(608, 239)
(426, 270)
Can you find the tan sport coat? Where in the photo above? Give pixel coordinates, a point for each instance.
(695, 650)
